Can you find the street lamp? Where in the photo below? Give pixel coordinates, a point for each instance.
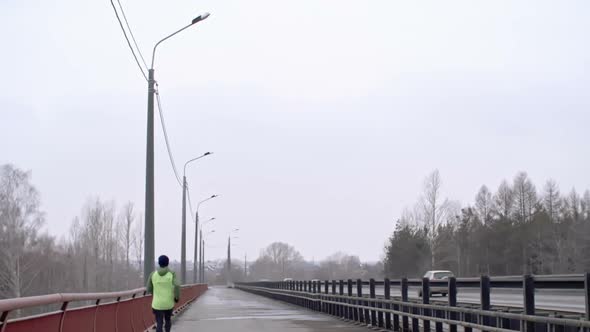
(229, 237)
(183, 231)
(149, 256)
(202, 265)
(197, 242)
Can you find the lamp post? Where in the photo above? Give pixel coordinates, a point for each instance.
(202, 268)
(197, 241)
(149, 257)
(229, 237)
(183, 231)
(196, 275)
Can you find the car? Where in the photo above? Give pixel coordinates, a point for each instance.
(288, 279)
(437, 275)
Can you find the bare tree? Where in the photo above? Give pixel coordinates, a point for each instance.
(484, 204)
(504, 200)
(340, 266)
(552, 203)
(525, 196)
(20, 218)
(128, 217)
(586, 204)
(277, 260)
(552, 200)
(574, 204)
(138, 242)
(109, 241)
(434, 209)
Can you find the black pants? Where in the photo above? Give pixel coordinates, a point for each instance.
(161, 316)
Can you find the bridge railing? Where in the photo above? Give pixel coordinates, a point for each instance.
(125, 311)
(347, 300)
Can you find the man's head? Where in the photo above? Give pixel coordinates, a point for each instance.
(163, 261)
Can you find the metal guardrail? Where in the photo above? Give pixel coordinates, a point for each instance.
(128, 311)
(395, 313)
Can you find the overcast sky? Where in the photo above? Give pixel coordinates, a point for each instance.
(325, 116)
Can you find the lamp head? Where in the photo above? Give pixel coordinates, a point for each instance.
(200, 18)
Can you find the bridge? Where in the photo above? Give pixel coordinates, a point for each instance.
(497, 304)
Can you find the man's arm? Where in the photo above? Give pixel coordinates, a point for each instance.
(176, 288)
(150, 286)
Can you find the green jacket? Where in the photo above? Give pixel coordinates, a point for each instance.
(162, 272)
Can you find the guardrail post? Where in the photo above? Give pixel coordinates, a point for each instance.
(528, 288)
(367, 313)
(404, 289)
(327, 306)
(306, 289)
(587, 294)
(484, 287)
(4, 320)
(64, 308)
(333, 307)
(426, 300)
(319, 303)
(380, 322)
(299, 286)
(359, 302)
(438, 326)
(372, 296)
(350, 312)
(331, 296)
(387, 296)
(452, 294)
(318, 291)
(341, 293)
(311, 303)
(312, 295)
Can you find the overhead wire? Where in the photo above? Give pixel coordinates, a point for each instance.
(131, 33)
(128, 42)
(168, 148)
(157, 92)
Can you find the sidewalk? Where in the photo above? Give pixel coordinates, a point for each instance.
(223, 309)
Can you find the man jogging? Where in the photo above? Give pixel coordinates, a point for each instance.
(166, 292)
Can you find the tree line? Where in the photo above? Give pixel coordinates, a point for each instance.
(281, 260)
(102, 252)
(515, 230)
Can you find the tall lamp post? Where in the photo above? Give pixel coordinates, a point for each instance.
(199, 260)
(149, 257)
(202, 268)
(183, 232)
(197, 241)
(229, 237)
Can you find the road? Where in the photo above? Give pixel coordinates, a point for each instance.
(222, 309)
(552, 300)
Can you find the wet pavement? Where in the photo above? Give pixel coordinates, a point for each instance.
(223, 309)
